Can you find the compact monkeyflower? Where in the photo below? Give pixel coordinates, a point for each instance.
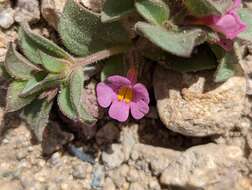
(229, 24)
(123, 95)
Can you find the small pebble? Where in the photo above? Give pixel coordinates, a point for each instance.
(109, 185)
(79, 153)
(114, 157)
(5, 141)
(97, 177)
(132, 175)
(64, 186)
(6, 18)
(154, 185)
(52, 186)
(30, 149)
(55, 160)
(136, 186)
(21, 155)
(79, 172)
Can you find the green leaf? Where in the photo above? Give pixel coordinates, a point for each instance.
(246, 16)
(226, 67)
(28, 47)
(30, 43)
(203, 60)
(3, 73)
(36, 116)
(36, 84)
(202, 8)
(83, 33)
(64, 103)
(17, 66)
(53, 64)
(113, 66)
(154, 11)
(33, 81)
(113, 10)
(76, 95)
(13, 101)
(177, 43)
(76, 87)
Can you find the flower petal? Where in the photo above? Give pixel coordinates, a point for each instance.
(119, 110)
(117, 81)
(140, 93)
(139, 109)
(236, 4)
(230, 25)
(105, 94)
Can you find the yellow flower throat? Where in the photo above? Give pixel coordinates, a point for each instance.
(125, 93)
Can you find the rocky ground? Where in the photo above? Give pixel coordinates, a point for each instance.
(203, 142)
(142, 156)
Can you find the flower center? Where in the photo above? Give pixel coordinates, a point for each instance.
(125, 93)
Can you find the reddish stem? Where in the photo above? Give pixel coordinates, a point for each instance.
(100, 55)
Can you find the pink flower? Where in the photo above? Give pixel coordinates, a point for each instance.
(123, 95)
(229, 24)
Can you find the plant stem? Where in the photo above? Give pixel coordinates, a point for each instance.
(100, 55)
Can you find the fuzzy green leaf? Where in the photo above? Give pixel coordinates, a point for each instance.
(53, 64)
(3, 73)
(64, 103)
(36, 84)
(76, 95)
(30, 43)
(202, 8)
(76, 87)
(28, 47)
(246, 16)
(203, 60)
(13, 101)
(113, 10)
(154, 11)
(17, 66)
(83, 33)
(177, 43)
(36, 116)
(33, 82)
(113, 66)
(226, 67)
